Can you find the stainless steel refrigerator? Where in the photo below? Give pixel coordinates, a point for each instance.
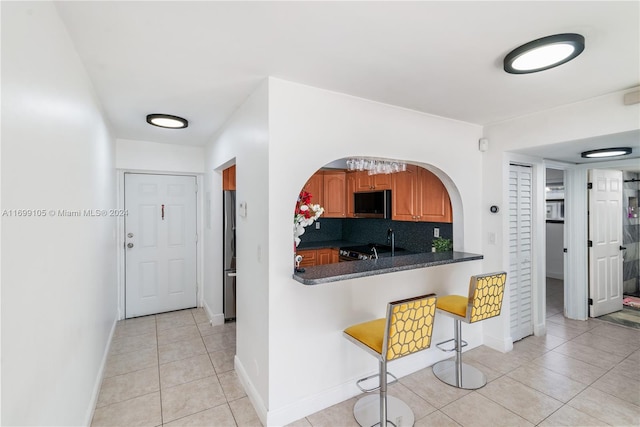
(229, 249)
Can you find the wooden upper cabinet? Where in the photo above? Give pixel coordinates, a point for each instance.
(229, 178)
(434, 203)
(419, 195)
(315, 186)
(366, 182)
(404, 189)
(335, 199)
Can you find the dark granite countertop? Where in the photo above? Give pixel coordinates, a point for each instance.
(354, 269)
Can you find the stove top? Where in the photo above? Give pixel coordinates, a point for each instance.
(360, 252)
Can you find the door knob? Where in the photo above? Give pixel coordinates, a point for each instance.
(129, 245)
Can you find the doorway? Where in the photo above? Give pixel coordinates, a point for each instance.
(554, 236)
(160, 243)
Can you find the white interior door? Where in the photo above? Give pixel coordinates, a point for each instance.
(605, 237)
(520, 249)
(160, 228)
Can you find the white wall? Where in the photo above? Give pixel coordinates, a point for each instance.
(291, 355)
(159, 157)
(58, 273)
(244, 141)
(311, 365)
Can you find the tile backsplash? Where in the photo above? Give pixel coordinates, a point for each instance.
(413, 236)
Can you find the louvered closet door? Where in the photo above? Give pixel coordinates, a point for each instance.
(520, 246)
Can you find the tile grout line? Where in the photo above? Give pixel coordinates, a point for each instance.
(159, 378)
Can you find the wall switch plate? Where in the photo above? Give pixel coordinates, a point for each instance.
(242, 209)
(436, 232)
(492, 238)
(317, 226)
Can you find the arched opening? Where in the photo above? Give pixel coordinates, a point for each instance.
(353, 209)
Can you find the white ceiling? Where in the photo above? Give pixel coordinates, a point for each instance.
(201, 60)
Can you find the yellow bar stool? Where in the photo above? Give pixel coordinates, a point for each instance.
(486, 292)
(406, 330)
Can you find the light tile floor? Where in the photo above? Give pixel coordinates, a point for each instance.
(175, 369)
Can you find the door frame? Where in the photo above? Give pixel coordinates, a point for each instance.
(120, 234)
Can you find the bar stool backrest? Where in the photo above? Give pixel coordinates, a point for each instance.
(486, 292)
(409, 326)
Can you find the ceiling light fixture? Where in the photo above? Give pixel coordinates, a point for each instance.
(607, 152)
(544, 53)
(167, 121)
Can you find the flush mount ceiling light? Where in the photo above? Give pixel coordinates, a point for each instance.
(607, 152)
(167, 121)
(544, 53)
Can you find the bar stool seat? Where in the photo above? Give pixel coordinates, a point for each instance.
(486, 292)
(406, 329)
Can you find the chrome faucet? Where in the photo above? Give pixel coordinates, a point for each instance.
(375, 252)
(391, 239)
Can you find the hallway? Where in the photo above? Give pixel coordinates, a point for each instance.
(174, 369)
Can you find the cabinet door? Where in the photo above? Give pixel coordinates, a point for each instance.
(382, 181)
(335, 255)
(434, 203)
(324, 256)
(315, 186)
(363, 181)
(351, 188)
(309, 257)
(404, 190)
(334, 194)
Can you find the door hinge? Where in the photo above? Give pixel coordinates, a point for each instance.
(590, 301)
(589, 185)
(564, 250)
(590, 243)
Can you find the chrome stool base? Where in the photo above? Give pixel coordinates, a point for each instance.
(367, 412)
(468, 377)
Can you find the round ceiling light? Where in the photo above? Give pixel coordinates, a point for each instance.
(544, 53)
(167, 121)
(607, 152)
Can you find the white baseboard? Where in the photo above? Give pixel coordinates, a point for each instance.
(339, 393)
(540, 329)
(503, 345)
(98, 381)
(251, 391)
(214, 319)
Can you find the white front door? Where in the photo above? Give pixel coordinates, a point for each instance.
(605, 237)
(520, 249)
(160, 239)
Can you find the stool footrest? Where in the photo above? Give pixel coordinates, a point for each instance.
(463, 343)
(371, 390)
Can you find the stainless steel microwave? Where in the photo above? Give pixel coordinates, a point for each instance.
(372, 204)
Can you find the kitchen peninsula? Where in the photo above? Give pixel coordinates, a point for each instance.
(383, 265)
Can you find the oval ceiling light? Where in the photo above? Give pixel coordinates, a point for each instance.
(607, 152)
(544, 53)
(167, 121)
